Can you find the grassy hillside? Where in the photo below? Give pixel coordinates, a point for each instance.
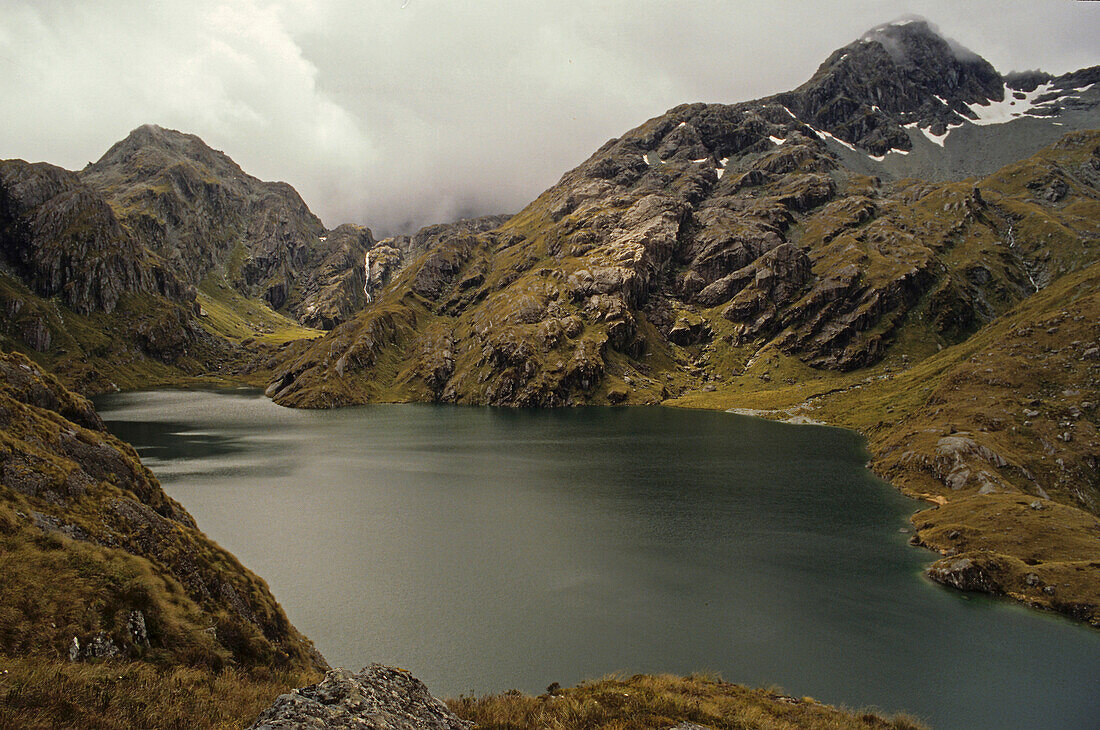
(109, 591)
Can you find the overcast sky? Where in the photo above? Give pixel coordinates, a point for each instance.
(400, 113)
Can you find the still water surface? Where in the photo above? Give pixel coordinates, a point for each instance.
(485, 549)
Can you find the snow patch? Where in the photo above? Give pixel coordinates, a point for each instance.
(891, 151)
(939, 138)
(789, 112)
(826, 135)
(719, 171)
(776, 140)
(941, 99)
(1009, 108)
(701, 159)
(322, 238)
(681, 124)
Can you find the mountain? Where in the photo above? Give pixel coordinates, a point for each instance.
(903, 101)
(778, 255)
(197, 209)
(158, 261)
(748, 207)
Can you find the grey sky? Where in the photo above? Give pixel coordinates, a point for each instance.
(397, 116)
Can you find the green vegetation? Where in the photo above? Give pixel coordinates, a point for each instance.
(226, 313)
(645, 701)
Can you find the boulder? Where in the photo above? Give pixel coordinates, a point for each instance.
(376, 698)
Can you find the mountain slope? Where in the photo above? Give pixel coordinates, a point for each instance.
(666, 264)
(902, 101)
(118, 276)
(99, 563)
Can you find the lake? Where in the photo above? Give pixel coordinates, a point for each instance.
(485, 549)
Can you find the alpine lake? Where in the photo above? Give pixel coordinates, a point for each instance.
(485, 549)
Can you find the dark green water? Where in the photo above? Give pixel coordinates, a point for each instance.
(485, 549)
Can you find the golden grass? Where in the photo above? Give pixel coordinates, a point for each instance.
(643, 702)
(122, 695)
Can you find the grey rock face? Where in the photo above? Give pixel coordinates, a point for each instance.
(376, 698)
(895, 74)
(334, 289)
(966, 574)
(139, 634)
(63, 239)
(195, 208)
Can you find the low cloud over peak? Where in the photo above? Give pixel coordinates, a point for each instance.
(397, 114)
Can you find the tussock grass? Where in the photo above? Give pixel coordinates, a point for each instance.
(116, 695)
(663, 701)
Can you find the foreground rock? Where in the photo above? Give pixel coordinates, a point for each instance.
(377, 697)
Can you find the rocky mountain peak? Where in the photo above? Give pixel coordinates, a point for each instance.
(197, 208)
(895, 75)
(151, 148)
(913, 41)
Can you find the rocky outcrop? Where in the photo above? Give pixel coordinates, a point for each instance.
(376, 698)
(767, 285)
(63, 240)
(967, 573)
(335, 289)
(960, 463)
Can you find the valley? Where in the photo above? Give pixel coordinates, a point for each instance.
(907, 245)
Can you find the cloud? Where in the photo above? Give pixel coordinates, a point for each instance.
(399, 116)
(229, 72)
